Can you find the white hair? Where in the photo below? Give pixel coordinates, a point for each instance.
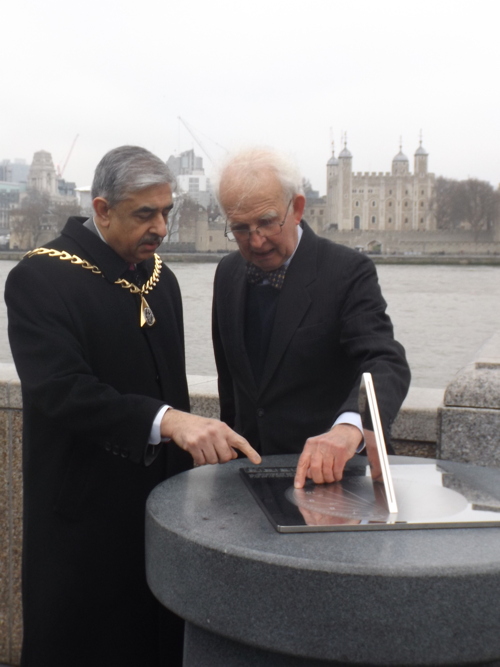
(249, 166)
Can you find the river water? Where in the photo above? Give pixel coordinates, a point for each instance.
(441, 314)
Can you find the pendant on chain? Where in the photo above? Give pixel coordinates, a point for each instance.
(147, 316)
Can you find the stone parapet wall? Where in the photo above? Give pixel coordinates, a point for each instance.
(415, 429)
(469, 421)
(10, 515)
(414, 242)
(414, 432)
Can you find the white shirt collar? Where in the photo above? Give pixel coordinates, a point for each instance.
(99, 231)
(300, 231)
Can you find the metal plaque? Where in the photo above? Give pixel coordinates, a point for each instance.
(376, 495)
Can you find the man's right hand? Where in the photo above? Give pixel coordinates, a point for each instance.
(207, 440)
(324, 456)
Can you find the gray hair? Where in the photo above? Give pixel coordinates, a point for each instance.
(249, 166)
(127, 169)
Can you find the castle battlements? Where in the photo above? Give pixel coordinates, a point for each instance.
(389, 201)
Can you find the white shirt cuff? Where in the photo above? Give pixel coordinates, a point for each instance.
(155, 434)
(353, 418)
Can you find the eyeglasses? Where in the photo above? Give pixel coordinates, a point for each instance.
(265, 229)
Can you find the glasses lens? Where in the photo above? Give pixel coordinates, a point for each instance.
(269, 228)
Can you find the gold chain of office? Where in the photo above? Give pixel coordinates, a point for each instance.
(146, 314)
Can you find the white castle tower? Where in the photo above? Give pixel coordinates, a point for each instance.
(392, 201)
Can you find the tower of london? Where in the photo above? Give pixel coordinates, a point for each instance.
(394, 201)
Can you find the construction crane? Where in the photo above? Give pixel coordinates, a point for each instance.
(60, 171)
(191, 132)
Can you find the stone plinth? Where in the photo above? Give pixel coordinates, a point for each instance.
(470, 417)
(253, 596)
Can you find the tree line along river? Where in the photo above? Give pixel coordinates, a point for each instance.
(441, 314)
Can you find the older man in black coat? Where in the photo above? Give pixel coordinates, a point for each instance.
(297, 319)
(95, 325)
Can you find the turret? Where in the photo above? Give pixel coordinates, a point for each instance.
(421, 160)
(332, 190)
(345, 187)
(345, 154)
(400, 164)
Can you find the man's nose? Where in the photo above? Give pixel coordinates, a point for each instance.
(256, 240)
(159, 225)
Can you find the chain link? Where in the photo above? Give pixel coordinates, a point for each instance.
(125, 284)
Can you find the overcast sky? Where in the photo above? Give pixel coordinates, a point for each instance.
(284, 73)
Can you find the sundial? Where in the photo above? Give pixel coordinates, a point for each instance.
(375, 494)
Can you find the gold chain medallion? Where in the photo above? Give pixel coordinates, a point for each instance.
(146, 316)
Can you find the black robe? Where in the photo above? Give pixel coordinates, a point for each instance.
(92, 382)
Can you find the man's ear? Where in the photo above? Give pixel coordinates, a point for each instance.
(299, 204)
(101, 209)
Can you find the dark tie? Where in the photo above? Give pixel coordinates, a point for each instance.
(255, 276)
(133, 275)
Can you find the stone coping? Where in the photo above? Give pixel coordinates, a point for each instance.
(478, 384)
(489, 354)
(10, 387)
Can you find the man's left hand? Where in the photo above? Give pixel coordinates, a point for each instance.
(324, 457)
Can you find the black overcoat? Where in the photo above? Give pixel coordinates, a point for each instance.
(330, 327)
(92, 382)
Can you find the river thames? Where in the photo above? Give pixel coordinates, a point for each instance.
(441, 314)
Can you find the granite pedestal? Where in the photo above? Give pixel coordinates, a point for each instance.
(252, 596)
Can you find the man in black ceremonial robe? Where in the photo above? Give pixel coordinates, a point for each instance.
(95, 326)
